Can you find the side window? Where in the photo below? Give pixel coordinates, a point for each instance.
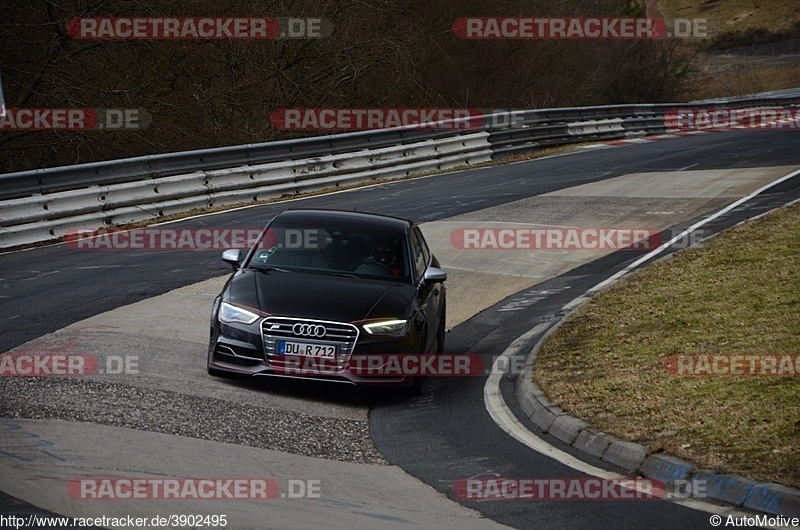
(420, 253)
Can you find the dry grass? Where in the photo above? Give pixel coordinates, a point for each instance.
(740, 83)
(735, 75)
(736, 14)
(739, 293)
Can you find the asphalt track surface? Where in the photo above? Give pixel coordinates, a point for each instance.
(445, 434)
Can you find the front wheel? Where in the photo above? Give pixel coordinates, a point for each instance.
(417, 383)
(440, 334)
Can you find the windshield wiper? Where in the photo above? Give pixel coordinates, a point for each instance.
(269, 269)
(343, 274)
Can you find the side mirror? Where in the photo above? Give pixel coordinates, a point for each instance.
(233, 257)
(434, 275)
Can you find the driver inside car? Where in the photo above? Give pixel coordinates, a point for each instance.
(383, 258)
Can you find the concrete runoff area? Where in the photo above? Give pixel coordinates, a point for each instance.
(169, 335)
(343, 495)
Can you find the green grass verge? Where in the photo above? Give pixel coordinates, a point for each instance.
(737, 294)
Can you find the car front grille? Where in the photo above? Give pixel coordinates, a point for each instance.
(341, 334)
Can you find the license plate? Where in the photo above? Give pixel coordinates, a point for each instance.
(306, 349)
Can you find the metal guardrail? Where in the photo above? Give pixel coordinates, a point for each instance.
(553, 127)
(42, 217)
(43, 204)
(51, 180)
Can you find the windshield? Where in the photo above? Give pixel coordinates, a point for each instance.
(336, 249)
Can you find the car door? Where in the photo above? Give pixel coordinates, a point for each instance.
(430, 296)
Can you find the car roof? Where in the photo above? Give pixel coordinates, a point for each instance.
(372, 220)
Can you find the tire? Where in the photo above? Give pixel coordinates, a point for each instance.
(416, 388)
(441, 333)
(417, 385)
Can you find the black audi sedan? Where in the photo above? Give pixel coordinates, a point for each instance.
(321, 291)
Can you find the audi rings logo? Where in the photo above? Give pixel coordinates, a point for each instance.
(309, 330)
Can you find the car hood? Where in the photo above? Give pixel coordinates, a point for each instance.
(318, 296)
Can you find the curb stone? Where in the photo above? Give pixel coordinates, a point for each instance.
(627, 455)
(593, 442)
(672, 471)
(567, 428)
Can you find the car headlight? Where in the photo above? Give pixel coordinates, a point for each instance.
(236, 315)
(393, 328)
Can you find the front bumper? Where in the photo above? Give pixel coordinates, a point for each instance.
(252, 350)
